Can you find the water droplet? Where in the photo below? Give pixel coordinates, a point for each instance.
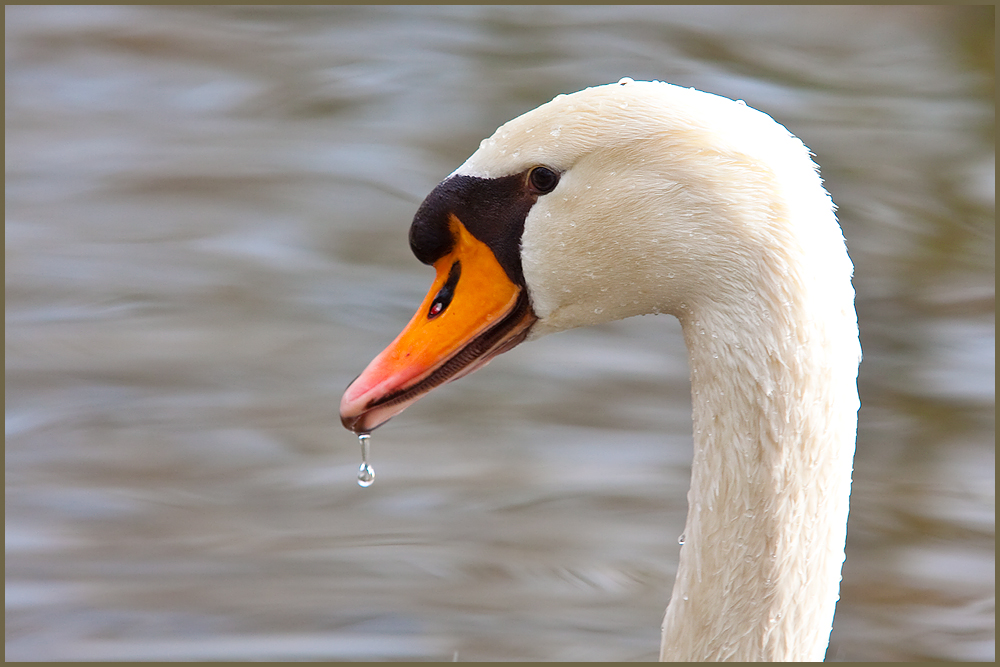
(680, 540)
(685, 598)
(366, 473)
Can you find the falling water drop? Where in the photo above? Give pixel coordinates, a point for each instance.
(366, 473)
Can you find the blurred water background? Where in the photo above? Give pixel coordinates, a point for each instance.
(205, 241)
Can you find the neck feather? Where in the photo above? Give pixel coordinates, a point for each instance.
(775, 407)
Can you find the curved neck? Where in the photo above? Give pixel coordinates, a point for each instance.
(775, 404)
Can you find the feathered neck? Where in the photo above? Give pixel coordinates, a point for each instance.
(775, 403)
(680, 202)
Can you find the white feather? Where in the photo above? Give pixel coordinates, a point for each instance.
(676, 201)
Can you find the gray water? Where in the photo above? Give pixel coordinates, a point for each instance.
(206, 220)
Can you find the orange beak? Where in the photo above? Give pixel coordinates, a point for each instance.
(472, 313)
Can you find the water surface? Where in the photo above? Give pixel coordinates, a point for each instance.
(206, 218)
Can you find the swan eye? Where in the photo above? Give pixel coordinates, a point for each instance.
(543, 179)
(445, 294)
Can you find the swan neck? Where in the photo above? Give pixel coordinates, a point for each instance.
(774, 431)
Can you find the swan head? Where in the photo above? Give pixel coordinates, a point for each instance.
(619, 200)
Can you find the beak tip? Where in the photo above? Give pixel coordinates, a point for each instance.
(358, 421)
(351, 411)
(364, 421)
(349, 421)
(358, 414)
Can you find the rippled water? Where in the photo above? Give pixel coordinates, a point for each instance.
(206, 218)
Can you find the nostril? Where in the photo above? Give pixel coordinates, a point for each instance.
(444, 297)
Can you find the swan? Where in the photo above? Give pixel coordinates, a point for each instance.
(634, 198)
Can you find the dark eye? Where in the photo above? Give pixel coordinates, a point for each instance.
(543, 179)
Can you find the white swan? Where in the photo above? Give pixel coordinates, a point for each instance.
(643, 197)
